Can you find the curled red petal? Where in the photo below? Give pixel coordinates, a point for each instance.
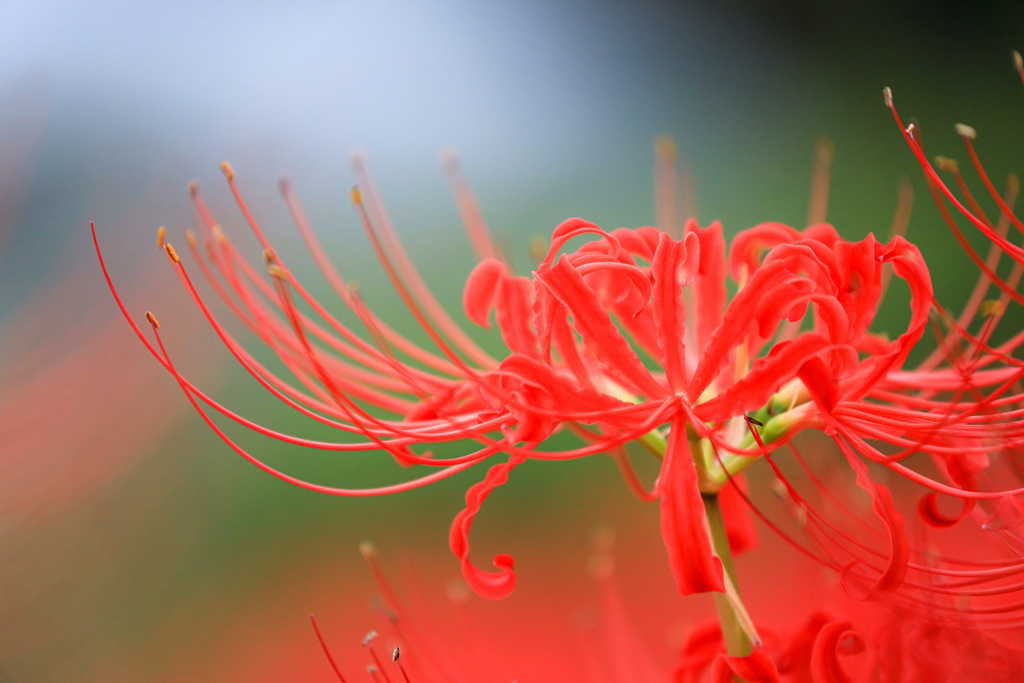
(513, 313)
(490, 585)
(747, 245)
(928, 508)
(755, 307)
(684, 529)
(834, 639)
(596, 328)
(480, 290)
(885, 510)
(739, 523)
(709, 295)
(675, 265)
(765, 377)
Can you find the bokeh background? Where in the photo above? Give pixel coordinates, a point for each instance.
(133, 544)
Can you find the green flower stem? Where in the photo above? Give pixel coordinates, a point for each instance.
(654, 442)
(737, 644)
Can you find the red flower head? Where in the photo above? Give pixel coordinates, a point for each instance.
(630, 336)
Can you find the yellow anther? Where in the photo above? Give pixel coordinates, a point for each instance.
(887, 96)
(825, 148)
(1013, 183)
(229, 172)
(152, 320)
(965, 131)
(368, 550)
(269, 256)
(218, 234)
(171, 254)
(161, 233)
(538, 248)
(278, 272)
(665, 148)
(190, 235)
(1018, 61)
(947, 164)
(357, 195)
(992, 308)
(193, 188)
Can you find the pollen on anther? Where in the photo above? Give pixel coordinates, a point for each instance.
(171, 254)
(369, 638)
(357, 195)
(947, 164)
(152, 319)
(229, 172)
(887, 96)
(396, 654)
(665, 148)
(448, 157)
(161, 234)
(825, 148)
(992, 308)
(965, 131)
(278, 272)
(538, 249)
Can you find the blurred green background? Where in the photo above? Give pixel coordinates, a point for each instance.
(133, 544)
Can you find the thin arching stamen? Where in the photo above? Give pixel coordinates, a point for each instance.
(327, 651)
(472, 219)
(666, 215)
(392, 251)
(821, 174)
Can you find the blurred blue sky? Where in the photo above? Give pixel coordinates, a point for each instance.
(391, 75)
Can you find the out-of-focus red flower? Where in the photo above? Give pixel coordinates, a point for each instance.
(445, 636)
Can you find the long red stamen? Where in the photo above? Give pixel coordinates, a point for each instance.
(327, 650)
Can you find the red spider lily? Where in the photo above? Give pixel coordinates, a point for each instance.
(631, 337)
